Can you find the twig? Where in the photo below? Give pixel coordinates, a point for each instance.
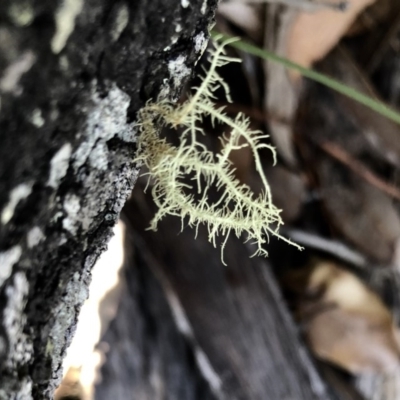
(334, 247)
(309, 5)
(359, 168)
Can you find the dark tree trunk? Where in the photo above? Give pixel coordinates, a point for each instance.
(190, 328)
(69, 97)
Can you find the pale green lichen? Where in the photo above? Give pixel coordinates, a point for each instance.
(237, 210)
(21, 13)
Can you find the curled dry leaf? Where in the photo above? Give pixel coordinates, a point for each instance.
(312, 35)
(303, 37)
(348, 324)
(246, 16)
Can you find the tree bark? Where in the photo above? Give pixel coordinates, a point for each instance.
(73, 75)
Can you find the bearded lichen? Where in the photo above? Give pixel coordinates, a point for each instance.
(237, 209)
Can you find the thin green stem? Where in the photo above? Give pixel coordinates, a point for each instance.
(354, 94)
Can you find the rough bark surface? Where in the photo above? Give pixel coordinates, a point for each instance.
(72, 76)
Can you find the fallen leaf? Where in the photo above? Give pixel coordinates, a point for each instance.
(347, 323)
(303, 37)
(245, 16)
(355, 342)
(313, 35)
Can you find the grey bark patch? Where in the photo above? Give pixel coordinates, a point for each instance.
(59, 165)
(19, 345)
(105, 120)
(37, 119)
(121, 21)
(34, 237)
(12, 75)
(72, 207)
(178, 70)
(19, 193)
(7, 260)
(65, 20)
(21, 12)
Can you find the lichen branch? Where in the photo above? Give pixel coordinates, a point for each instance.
(237, 210)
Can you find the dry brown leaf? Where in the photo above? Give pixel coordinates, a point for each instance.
(312, 35)
(303, 37)
(246, 16)
(349, 324)
(354, 342)
(346, 290)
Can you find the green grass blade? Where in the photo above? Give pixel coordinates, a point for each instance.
(354, 94)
